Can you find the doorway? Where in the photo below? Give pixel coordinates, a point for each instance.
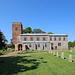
(43, 47)
(26, 47)
(35, 46)
(56, 47)
(19, 47)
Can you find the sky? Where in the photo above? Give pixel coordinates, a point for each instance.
(57, 16)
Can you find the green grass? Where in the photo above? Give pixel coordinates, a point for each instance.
(6, 52)
(32, 51)
(38, 64)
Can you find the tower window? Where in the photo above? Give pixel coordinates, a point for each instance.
(16, 28)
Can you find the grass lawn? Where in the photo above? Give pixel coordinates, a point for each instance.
(32, 51)
(38, 64)
(6, 52)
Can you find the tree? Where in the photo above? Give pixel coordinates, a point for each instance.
(11, 41)
(27, 30)
(3, 40)
(9, 45)
(38, 31)
(43, 32)
(50, 33)
(70, 44)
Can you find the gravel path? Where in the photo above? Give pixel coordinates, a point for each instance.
(15, 53)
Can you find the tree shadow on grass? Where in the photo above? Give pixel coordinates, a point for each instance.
(15, 64)
(1, 54)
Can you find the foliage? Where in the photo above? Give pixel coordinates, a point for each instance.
(3, 40)
(71, 44)
(37, 31)
(6, 51)
(9, 45)
(27, 30)
(11, 41)
(50, 33)
(43, 32)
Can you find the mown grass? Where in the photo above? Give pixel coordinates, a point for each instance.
(38, 64)
(6, 51)
(32, 51)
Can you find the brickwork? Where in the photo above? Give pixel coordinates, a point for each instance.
(16, 31)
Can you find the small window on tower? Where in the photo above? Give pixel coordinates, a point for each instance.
(16, 28)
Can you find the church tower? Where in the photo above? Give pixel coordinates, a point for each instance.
(16, 31)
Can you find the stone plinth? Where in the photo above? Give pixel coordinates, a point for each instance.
(62, 55)
(70, 58)
(57, 54)
(51, 51)
(70, 50)
(54, 53)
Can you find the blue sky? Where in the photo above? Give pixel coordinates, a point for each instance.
(57, 16)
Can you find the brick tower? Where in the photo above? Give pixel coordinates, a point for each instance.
(16, 31)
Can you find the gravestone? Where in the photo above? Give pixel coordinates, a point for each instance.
(62, 55)
(57, 54)
(53, 52)
(70, 58)
(70, 50)
(49, 51)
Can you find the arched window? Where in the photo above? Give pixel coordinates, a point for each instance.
(29, 45)
(25, 39)
(55, 39)
(50, 38)
(45, 44)
(59, 39)
(31, 39)
(16, 28)
(44, 39)
(64, 39)
(38, 45)
(37, 38)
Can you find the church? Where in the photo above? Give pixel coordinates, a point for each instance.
(37, 41)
